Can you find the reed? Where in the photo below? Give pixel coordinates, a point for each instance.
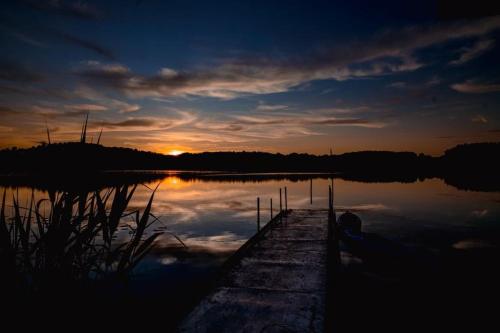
(72, 238)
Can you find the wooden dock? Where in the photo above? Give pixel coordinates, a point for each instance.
(278, 281)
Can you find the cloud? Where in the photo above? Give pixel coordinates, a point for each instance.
(241, 129)
(51, 112)
(271, 107)
(312, 118)
(252, 120)
(85, 43)
(473, 87)
(70, 110)
(473, 52)
(151, 123)
(219, 126)
(416, 88)
(188, 127)
(90, 94)
(136, 122)
(28, 123)
(124, 107)
(234, 132)
(479, 119)
(86, 107)
(358, 122)
(54, 112)
(230, 80)
(386, 53)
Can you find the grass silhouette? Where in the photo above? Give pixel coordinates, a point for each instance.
(75, 242)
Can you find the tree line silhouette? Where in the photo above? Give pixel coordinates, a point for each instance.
(467, 166)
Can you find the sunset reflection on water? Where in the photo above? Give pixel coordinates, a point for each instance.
(214, 217)
(222, 214)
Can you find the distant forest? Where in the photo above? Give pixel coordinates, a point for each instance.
(74, 156)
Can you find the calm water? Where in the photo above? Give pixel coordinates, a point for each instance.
(214, 217)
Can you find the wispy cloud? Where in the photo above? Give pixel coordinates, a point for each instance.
(474, 51)
(386, 53)
(231, 80)
(271, 107)
(87, 93)
(124, 107)
(479, 119)
(86, 107)
(137, 123)
(27, 124)
(474, 87)
(181, 118)
(306, 123)
(86, 44)
(308, 119)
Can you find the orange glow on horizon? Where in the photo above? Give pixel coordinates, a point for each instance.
(175, 152)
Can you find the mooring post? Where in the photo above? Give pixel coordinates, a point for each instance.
(311, 191)
(332, 191)
(286, 201)
(329, 198)
(271, 207)
(330, 213)
(281, 206)
(258, 213)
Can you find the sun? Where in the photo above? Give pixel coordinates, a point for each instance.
(175, 152)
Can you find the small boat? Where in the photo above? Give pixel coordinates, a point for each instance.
(370, 247)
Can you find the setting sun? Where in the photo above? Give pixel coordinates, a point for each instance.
(175, 152)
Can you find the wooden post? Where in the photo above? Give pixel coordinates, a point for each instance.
(332, 191)
(286, 201)
(271, 207)
(258, 214)
(329, 197)
(330, 213)
(311, 192)
(281, 206)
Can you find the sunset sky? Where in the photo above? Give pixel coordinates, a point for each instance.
(278, 76)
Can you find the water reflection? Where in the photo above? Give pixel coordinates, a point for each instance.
(214, 215)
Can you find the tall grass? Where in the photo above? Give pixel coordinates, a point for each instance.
(71, 238)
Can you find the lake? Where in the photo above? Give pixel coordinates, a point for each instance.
(454, 232)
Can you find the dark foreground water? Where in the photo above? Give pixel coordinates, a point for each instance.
(431, 262)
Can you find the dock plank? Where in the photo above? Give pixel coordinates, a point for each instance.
(278, 285)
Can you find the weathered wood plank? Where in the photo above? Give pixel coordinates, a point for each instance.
(279, 283)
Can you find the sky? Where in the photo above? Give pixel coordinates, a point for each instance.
(276, 76)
